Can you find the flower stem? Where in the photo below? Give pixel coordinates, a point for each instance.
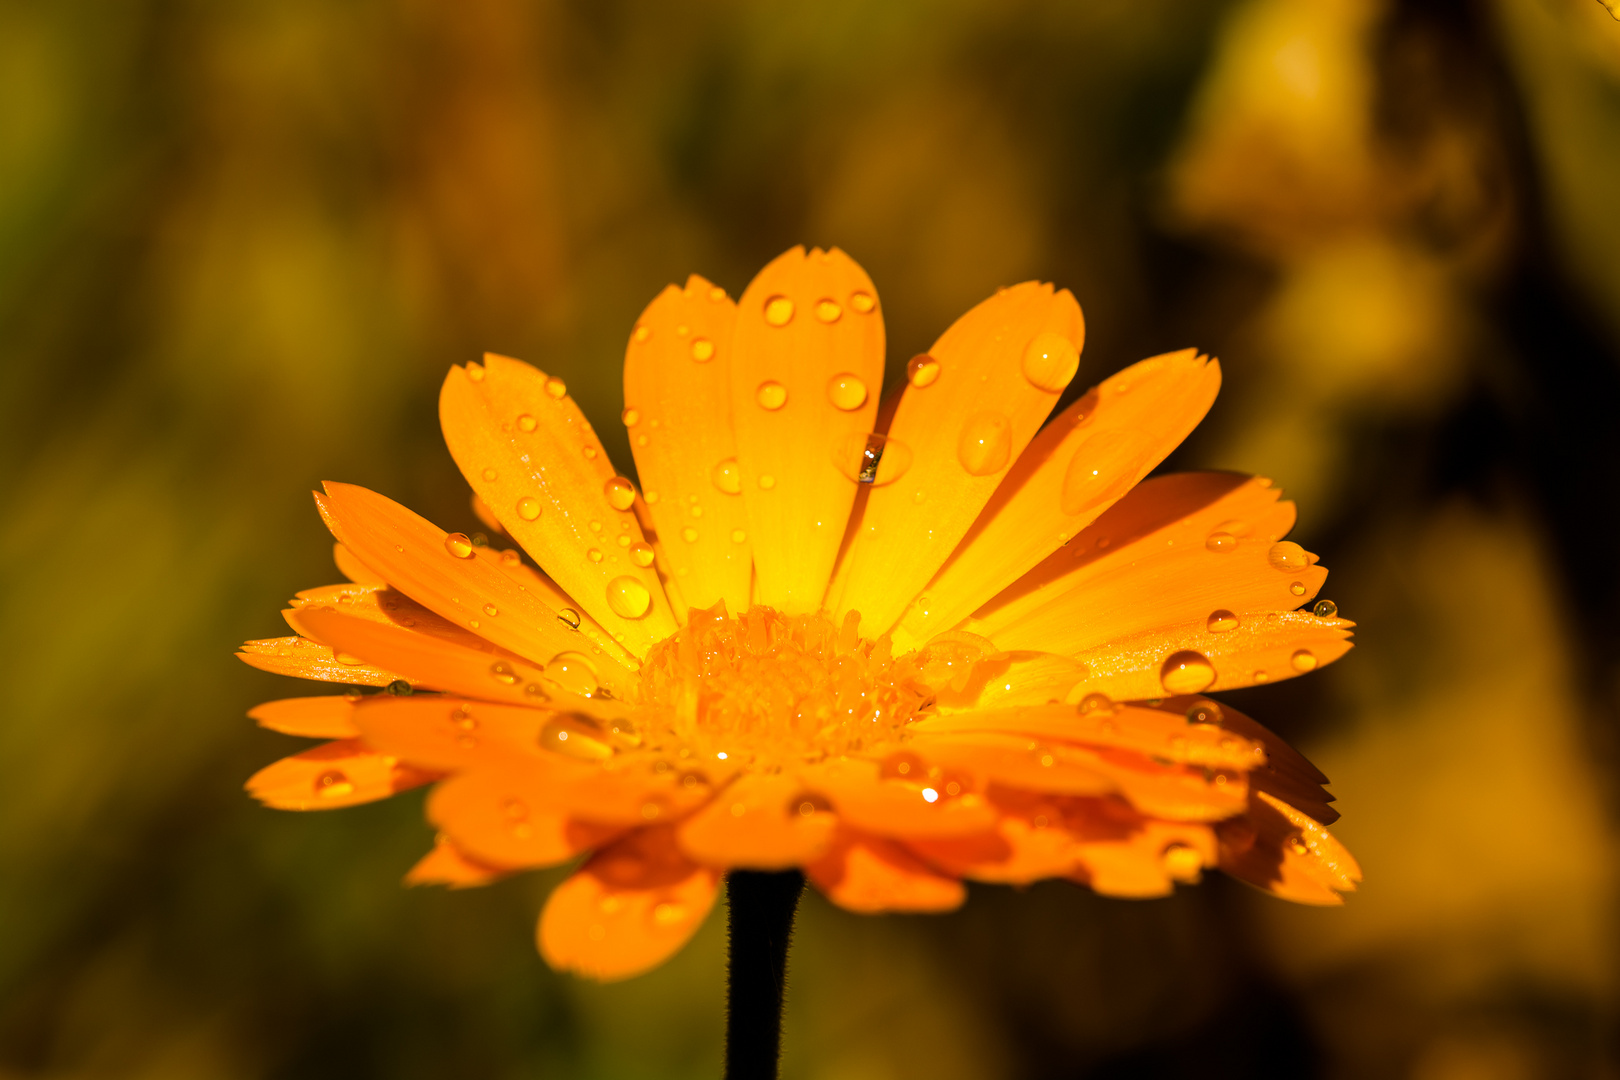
(761, 906)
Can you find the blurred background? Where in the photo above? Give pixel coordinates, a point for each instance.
(241, 243)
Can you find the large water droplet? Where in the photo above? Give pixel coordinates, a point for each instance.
(459, 544)
(570, 617)
(1303, 660)
(1325, 609)
(1186, 672)
(727, 476)
(1050, 361)
(566, 735)
(923, 370)
(1094, 703)
(642, 554)
(621, 495)
(399, 688)
(871, 459)
(771, 396)
(1220, 621)
(574, 672)
(985, 443)
(862, 302)
(846, 392)
(779, 311)
(528, 508)
(628, 597)
(702, 350)
(828, 311)
(1287, 555)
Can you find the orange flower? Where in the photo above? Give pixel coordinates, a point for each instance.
(969, 647)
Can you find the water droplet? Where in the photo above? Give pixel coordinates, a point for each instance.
(827, 311)
(642, 333)
(510, 557)
(569, 616)
(566, 735)
(871, 459)
(479, 540)
(727, 476)
(650, 498)
(689, 534)
(1220, 621)
(779, 311)
(1093, 703)
(767, 482)
(556, 387)
(503, 673)
(589, 451)
(738, 536)
(620, 494)
(628, 597)
(623, 540)
(846, 392)
(771, 396)
(459, 545)
(1204, 712)
(1183, 863)
(862, 302)
(527, 423)
(1187, 672)
(631, 417)
(1325, 609)
(1287, 555)
(1298, 846)
(697, 511)
(528, 508)
(702, 350)
(1303, 660)
(642, 554)
(574, 673)
(717, 294)
(594, 555)
(398, 688)
(475, 373)
(923, 370)
(1050, 361)
(347, 659)
(333, 784)
(669, 913)
(490, 474)
(1221, 541)
(596, 526)
(985, 443)
(1297, 588)
(491, 610)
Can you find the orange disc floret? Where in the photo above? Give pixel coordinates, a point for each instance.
(996, 673)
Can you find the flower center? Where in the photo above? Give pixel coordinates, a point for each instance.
(766, 687)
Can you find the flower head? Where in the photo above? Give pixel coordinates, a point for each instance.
(898, 646)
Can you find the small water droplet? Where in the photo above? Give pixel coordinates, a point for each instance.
(1297, 588)
(738, 536)
(1186, 672)
(669, 913)
(569, 616)
(779, 311)
(556, 387)
(985, 443)
(589, 451)
(621, 495)
(628, 597)
(1093, 703)
(1303, 660)
(689, 534)
(862, 302)
(475, 373)
(347, 659)
(642, 554)
(771, 396)
(566, 735)
(596, 526)
(922, 371)
(1325, 609)
(399, 688)
(491, 610)
(1220, 621)
(766, 482)
(490, 474)
(631, 417)
(503, 673)
(650, 498)
(528, 508)
(1298, 846)
(1287, 555)
(479, 540)
(642, 334)
(1260, 676)
(846, 392)
(697, 511)
(510, 557)
(1221, 541)
(1050, 361)
(827, 311)
(871, 459)
(717, 294)
(1204, 712)
(459, 544)
(594, 555)
(727, 476)
(702, 350)
(527, 423)
(333, 784)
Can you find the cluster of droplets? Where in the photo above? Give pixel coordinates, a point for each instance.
(764, 686)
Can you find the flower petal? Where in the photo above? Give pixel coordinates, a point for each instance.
(334, 774)
(628, 909)
(329, 716)
(866, 801)
(677, 396)
(1150, 561)
(869, 874)
(448, 865)
(353, 569)
(305, 659)
(504, 816)
(1077, 467)
(757, 823)
(1148, 860)
(531, 455)
(806, 371)
(963, 429)
(461, 585)
(1282, 851)
(445, 733)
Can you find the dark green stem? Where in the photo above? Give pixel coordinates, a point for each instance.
(760, 922)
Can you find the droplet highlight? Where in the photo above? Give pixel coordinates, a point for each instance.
(870, 459)
(1050, 361)
(922, 371)
(1287, 555)
(846, 392)
(778, 311)
(727, 476)
(621, 494)
(771, 396)
(459, 545)
(1186, 672)
(985, 444)
(628, 597)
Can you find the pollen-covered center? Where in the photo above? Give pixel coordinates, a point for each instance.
(763, 687)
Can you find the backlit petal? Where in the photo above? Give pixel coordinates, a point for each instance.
(334, 774)
(445, 733)
(448, 865)
(1282, 851)
(870, 874)
(757, 823)
(305, 659)
(867, 802)
(353, 569)
(504, 815)
(327, 717)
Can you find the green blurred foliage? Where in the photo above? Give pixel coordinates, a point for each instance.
(239, 245)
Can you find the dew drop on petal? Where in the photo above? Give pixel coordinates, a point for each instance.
(922, 371)
(779, 311)
(621, 495)
(1093, 703)
(985, 443)
(1221, 541)
(846, 392)
(490, 474)
(727, 476)
(556, 387)
(771, 396)
(642, 554)
(827, 311)
(1297, 588)
(738, 536)
(333, 784)
(589, 451)
(503, 673)
(1303, 660)
(491, 610)
(689, 534)
(574, 673)
(1297, 845)
(702, 350)
(1220, 621)
(569, 617)
(766, 482)
(862, 302)
(631, 417)
(1186, 672)
(1204, 712)
(1287, 555)
(510, 557)
(870, 459)
(628, 597)
(475, 373)
(566, 736)
(459, 545)
(717, 294)
(641, 334)
(1325, 609)
(527, 423)
(1050, 361)
(595, 555)
(347, 659)
(399, 688)
(528, 508)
